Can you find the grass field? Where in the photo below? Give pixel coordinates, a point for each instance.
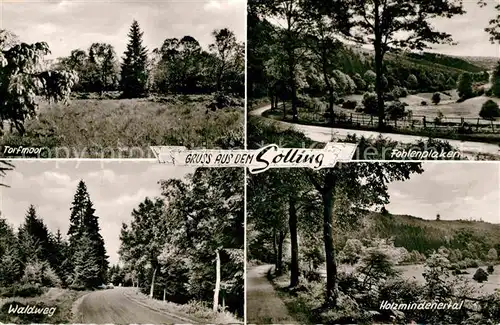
(125, 128)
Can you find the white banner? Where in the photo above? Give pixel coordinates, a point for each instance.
(257, 161)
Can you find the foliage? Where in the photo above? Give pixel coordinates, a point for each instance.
(489, 110)
(465, 86)
(370, 103)
(23, 80)
(436, 98)
(134, 75)
(480, 275)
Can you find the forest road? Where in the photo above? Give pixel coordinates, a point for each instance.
(325, 134)
(263, 304)
(112, 306)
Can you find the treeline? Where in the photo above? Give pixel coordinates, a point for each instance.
(33, 257)
(171, 246)
(305, 54)
(178, 66)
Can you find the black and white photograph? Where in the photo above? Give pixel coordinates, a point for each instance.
(374, 243)
(383, 73)
(108, 79)
(120, 242)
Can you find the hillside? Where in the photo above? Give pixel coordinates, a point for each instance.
(445, 60)
(426, 235)
(486, 62)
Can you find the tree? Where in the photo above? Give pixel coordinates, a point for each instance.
(143, 240)
(412, 81)
(23, 81)
(134, 67)
(290, 12)
(103, 63)
(364, 185)
(494, 24)
(86, 264)
(495, 81)
(492, 254)
(489, 110)
(382, 24)
(228, 51)
(84, 222)
(438, 217)
(5, 166)
(465, 86)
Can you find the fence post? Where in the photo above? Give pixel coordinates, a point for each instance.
(424, 122)
(477, 125)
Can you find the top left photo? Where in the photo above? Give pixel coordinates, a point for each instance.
(109, 79)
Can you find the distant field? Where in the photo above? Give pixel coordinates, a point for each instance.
(98, 128)
(448, 105)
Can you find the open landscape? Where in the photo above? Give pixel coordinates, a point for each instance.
(312, 66)
(332, 246)
(120, 242)
(111, 90)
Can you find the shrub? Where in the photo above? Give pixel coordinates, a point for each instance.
(349, 104)
(492, 254)
(423, 103)
(360, 83)
(490, 269)
(480, 275)
(489, 110)
(396, 110)
(370, 77)
(412, 81)
(370, 103)
(40, 273)
(436, 98)
(21, 290)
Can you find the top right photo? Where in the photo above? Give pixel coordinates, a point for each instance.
(405, 80)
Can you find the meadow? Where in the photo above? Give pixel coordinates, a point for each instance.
(125, 128)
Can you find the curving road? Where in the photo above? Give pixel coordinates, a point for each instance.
(263, 304)
(325, 134)
(112, 306)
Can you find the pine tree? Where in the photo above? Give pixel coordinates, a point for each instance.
(84, 221)
(86, 272)
(134, 67)
(34, 236)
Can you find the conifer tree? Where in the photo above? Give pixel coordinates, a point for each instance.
(86, 273)
(84, 230)
(34, 235)
(134, 67)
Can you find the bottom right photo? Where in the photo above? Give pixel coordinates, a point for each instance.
(374, 242)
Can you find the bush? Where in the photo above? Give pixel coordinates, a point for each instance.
(396, 110)
(480, 275)
(436, 98)
(489, 110)
(423, 103)
(349, 104)
(370, 103)
(40, 273)
(21, 290)
(490, 269)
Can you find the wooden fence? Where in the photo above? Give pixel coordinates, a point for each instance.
(341, 117)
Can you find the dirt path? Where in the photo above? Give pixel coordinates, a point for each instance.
(112, 306)
(325, 134)
(263, 304)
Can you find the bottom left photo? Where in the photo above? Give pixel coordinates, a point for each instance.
(120, 242)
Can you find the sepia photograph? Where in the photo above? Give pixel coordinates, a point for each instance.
(120, 242)
(381, 73)
(374, 243)
(108, 79)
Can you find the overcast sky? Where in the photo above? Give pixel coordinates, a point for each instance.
(454, 190)
(70, 24)
(115, 188)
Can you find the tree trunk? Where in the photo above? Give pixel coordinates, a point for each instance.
(379, 67)
(275, 249)
(331, 265)
(279, 267)
(217, 282)
(164, 294)
(151, 291)
(292, 222)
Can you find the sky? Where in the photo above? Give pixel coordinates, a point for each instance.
(71, 24)
(453, 190)
(115, 188)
